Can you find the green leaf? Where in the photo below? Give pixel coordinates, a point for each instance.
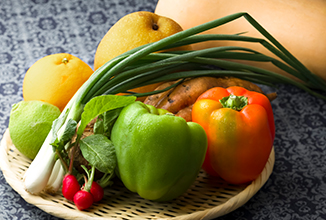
(56, 125)
(99, 126)
(101, 104)
(99, 151)
(61, 138)
(69, 131)
(105, 122)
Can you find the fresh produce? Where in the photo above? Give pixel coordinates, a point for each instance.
(96, 153)
(55, 79)
(55, 180)
(144, 66)
(133, 30)
(29, 124)
(159, 155)
(179, 99)
(70, 186)
(295, 24)
(83, 199)
(97, 192)
(96, 149)
(240, 129)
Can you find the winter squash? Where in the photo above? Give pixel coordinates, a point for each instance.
(300, 25)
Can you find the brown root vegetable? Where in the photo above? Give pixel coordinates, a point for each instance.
(185, 113)
(179, 100)
(156, 98)
(271, 96)
(187, 92)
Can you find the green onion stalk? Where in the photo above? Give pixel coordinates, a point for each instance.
(143, 66)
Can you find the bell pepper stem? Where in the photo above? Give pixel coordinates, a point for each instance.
(234, 102)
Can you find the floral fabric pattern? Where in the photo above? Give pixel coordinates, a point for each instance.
(31, 29)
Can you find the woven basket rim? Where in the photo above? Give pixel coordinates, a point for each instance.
(49, 203)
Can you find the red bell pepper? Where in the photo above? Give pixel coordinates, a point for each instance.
(240, 129)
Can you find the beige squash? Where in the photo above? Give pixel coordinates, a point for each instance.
(300, 25)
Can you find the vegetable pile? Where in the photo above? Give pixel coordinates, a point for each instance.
(153, 152)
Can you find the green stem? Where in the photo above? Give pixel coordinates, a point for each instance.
(63, 162)
(106, 180)
(150, 48)
(301, 67)
(234, 102)
(90, 178)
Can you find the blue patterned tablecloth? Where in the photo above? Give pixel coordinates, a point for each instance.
(31, 29)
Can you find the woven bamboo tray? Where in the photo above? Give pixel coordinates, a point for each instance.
(207, 198)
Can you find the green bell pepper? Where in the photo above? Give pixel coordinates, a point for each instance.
(159, 155)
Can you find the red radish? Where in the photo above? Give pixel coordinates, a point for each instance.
(70, 186)
(97, 192)
(83, 199)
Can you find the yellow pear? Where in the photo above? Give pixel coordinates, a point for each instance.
(131, 31)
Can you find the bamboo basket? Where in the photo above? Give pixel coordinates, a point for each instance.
(207, 198)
